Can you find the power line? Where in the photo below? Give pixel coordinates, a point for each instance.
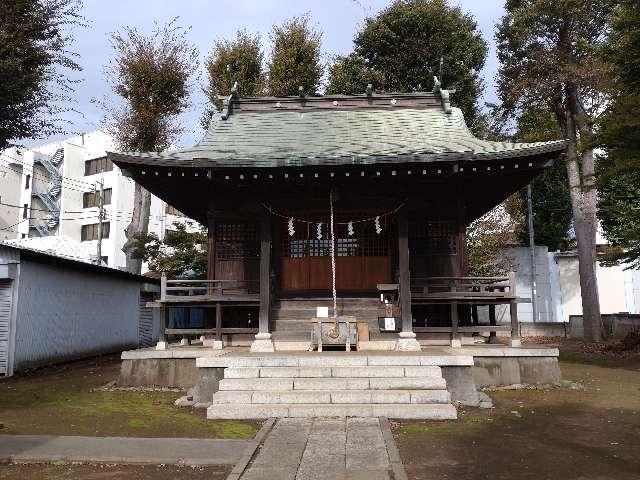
(71, 179)
(16, 224)
(35, 175)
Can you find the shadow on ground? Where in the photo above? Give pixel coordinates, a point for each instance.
(533, 434)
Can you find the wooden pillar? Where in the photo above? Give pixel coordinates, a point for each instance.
(515, 325)
(218, 321)
(164, 312)
(265, 272)
(211, 249)
(407, 339)
(263, 342)
(403, 267)
(455, 337)
(493, 337)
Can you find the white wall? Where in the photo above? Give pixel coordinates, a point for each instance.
(618, 289)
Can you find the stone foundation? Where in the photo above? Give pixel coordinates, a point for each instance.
(504, 371)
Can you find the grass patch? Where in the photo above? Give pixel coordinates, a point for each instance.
(66, 401)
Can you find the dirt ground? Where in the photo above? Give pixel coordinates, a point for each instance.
(532, 434)
(68, 400)
(36, 471)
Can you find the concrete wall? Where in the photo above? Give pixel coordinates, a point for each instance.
(544, 329)
(66, 313)
(520, 259)
(615, 325)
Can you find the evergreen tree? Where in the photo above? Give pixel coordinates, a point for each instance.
(239, 60)
(34, 51)
(399, 50)
(619, 171)
(548, 55)
(179, 253)
(295, 58)
(550, 199)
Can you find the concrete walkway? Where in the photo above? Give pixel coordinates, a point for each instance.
(188, 451)
(327, 448)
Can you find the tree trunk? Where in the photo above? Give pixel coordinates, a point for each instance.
(583, 203)
(139, 225)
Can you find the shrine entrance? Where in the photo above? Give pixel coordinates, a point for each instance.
(362, 252)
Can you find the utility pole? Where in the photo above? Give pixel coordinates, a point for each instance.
(532, 249)
(101, 216)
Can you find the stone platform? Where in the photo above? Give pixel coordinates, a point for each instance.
(367, 382)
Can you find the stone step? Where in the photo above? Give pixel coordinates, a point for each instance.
(341, 372)
(401, 411)
(333, 396)
(325, 384)
(333, 359)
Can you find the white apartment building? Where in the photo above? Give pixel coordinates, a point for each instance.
(51, 190)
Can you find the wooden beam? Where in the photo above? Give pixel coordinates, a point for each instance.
(211, 249)
(492, 321)
(515, 325)
(403, 267)
(164, 311)
(218, 321)
(265, 272)
(468, 329)
(454, 324)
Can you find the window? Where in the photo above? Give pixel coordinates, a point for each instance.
(169, 210)
(27, 182)
(90, 232)
(25, 210)
(97, 165)
(92, 199)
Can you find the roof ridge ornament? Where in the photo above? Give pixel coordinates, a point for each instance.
(226, 101)
(436, 84)
(444, 94)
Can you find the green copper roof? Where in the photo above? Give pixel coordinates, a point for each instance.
(338, 130)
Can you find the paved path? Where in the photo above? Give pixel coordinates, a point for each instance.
(189, 451)
(327, 448)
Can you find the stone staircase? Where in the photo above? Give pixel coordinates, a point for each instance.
(330, 385)
(291, 318)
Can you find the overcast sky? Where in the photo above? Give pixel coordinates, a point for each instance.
(214, 19)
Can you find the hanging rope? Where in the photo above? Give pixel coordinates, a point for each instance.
(335, 331)
(291, 219)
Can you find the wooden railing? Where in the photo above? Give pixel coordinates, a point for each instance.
(206, 294)
(220, 290)
(472, 291)
(464, 287)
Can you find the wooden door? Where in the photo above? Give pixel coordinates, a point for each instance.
(362, 255)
